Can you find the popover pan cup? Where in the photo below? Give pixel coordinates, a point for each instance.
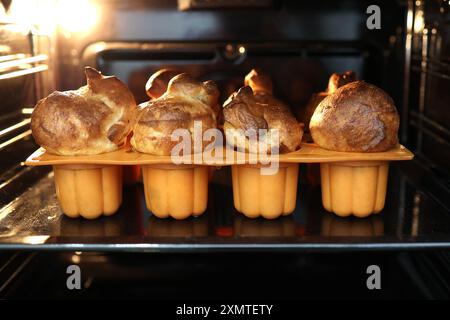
(355, 187)
(269, 196)
(89, 191)
(177, 191)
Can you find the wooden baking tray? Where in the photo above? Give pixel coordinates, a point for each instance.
(308, 153)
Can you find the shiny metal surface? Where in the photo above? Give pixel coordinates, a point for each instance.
(34, 220)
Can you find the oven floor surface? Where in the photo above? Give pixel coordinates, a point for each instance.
(410, 220)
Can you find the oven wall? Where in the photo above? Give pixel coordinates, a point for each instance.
(324, 37)
(427, 95)
(27, 57)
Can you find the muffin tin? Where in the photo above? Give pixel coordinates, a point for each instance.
(352, 183)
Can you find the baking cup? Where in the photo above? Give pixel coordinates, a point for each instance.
(269, 196)
(88, 191)
(177, 191)
(355, 187)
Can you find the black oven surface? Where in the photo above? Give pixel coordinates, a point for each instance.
(222, 278)
(412, 219)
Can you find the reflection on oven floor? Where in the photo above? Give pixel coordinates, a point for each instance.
(36, 218)
(336, 226)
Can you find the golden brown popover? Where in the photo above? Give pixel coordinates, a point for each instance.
(94, 119)
(254, 107)
(357, 117)
(336, 81)
(157, 84)
(185, 101)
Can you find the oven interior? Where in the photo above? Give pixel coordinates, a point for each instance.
(44, 47)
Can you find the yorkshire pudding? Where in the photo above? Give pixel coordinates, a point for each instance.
(94, 119)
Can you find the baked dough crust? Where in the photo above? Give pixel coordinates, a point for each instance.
(357, 117)
(94, 119)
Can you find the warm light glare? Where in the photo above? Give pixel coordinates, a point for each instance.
(77, 16)
(33, 13)
(69, 15)
(21, 61)
(76, 259)
(419, 22)
(35, 239)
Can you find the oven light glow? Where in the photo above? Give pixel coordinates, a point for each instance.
(76, 259)
(27, 110)
(37, 13)
(35, 239)
(46, 15)
(76, 16)
(419, 22)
